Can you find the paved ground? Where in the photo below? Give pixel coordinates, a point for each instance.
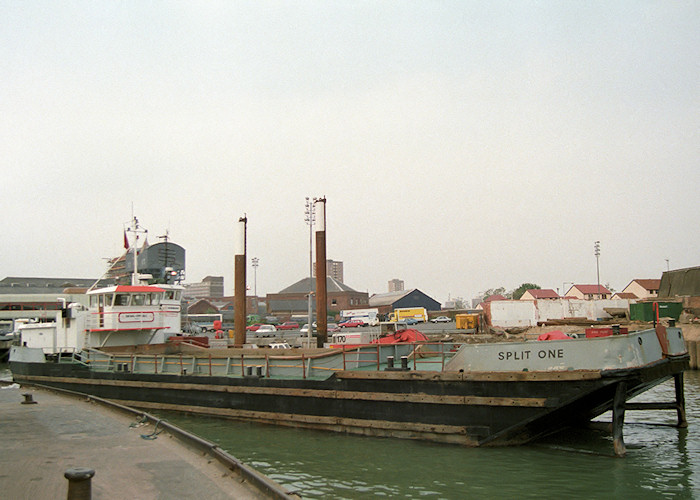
(41, 441)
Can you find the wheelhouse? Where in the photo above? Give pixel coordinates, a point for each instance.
(134, 308)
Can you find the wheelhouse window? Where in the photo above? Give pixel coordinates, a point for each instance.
(121, 299)
(138, 299)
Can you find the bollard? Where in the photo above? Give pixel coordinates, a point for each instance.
(616, 329)
(259, 370)
(404, 362)
(249, 371)
(390, 361)
(79, 483)
(28, 399)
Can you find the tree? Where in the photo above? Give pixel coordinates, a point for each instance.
(493, 291)
(518, 292)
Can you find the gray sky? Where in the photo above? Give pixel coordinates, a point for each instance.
(461, 145)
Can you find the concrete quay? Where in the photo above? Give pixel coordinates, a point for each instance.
(42, 441)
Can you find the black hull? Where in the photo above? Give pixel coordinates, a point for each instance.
(474, 409)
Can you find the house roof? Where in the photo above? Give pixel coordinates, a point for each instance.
(21, 285)
(591, 289)
(545, 293)
(302, 286)
(284, 305)
(386, 299)
(648, 284)
(202, 301)
(491, 298)
(625, 295)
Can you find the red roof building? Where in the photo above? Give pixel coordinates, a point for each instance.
(540, 294)
(643, 288)
(589, 292)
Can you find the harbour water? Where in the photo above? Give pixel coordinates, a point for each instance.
(662, 461)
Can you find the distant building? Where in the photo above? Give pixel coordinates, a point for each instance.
(624, 295)
(41, 298)
(164, 261)
(589, 292)
(395, 285)
(680, 283)
(490, 298)
(334, 269)
(209, 287)
(540, 294)
(643, 288)
(294, 299)
(15, 285)
(202, 306)
(387, 302)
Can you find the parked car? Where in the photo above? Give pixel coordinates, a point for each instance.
(288, 325)
(352, 323)
(265, 331)
(411, 321)
(333, 328)
(441, 319)
(305, 328)
(253, 328)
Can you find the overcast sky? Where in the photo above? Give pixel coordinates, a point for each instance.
(461, 145)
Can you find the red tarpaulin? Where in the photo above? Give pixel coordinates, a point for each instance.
(554, 335)
(408, 335)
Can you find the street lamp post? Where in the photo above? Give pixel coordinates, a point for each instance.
(255, 262)
(596, 248)
(309, 219)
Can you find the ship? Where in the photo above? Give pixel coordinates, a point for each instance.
(488, 394)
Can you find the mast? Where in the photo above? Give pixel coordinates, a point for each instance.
(239, 283)
(321, 288)
(137, 230)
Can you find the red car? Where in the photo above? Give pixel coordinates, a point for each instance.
(254, 328)
(288, 325)
(352, 323)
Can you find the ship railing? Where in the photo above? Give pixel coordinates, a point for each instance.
(70, 355)
(423, 356)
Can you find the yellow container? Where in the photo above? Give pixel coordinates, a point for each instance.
(467, 321)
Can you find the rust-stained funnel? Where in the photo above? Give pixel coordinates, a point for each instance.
(321, 289)
(239, 283)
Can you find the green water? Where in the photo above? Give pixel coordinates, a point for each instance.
(663, 461)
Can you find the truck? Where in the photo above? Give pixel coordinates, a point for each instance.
(368, 316)
(420, 314)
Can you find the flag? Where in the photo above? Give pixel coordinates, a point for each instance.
(126, 241)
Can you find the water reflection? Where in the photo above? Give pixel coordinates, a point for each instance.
(662, 460)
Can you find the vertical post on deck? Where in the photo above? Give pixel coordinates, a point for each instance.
(239, 320)
(321, 288)
(680, 399)
(618, 420)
